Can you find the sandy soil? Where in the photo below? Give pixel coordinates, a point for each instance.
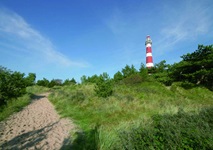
(37, 126)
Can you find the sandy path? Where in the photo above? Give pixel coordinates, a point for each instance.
(37, 126)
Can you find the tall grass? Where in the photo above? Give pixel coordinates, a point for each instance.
(128, 107)
(37, 89)
(180, 131)
(14, 105)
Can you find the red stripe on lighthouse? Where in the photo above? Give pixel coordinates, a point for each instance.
(148, 50)
(149, 59)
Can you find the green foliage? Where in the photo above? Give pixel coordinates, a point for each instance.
(30, 79)
(55, 82)
(104, 85)
(180, 131)
(83, 79)
(69, 82)
(130, 75)
(126, 108)
(92, 79)
(161, 73)
(88, 140)
(50, 84)
(133, 79)
(43, 82)
(128, 71)
(76, 96)
(37, 89)
(12, 84)
(143, 71)
(118, 76)
(161, 66)
(163, 77)
(196, 67)
(14, 105)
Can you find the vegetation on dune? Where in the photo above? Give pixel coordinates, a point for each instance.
(14, 105)
(195, 68)
(127, 107)
(17, 104)
(142, 111)
(171, 108)
(13, 84)
(16, 91)
(13, 94)
(179, 131)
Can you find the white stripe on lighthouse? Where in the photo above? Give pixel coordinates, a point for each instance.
(148, 45)
(149, 65)
(148, 54)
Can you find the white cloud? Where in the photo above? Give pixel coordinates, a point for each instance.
(186, 22)
(16, 31)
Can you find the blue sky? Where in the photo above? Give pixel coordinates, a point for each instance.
(71, 38)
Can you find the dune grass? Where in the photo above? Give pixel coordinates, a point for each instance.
(37, 89)
(129, 106)
(14, 105)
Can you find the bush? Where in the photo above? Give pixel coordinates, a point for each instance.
(43, 82)
(12, 85)
(103, 86)
(180, 131)
(163, 77)
(133, 79)
(88, 140)
(77, 96)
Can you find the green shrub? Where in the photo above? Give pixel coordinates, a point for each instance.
(14, 105)
(12, 85)
(129, 97)
(43, 82)
(187, 85)
(180, 131)
(103, 86)
(37, 89)
(133, 79)
(77, 96)
(88, 140)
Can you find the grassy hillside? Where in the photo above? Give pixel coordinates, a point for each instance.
(102, 120)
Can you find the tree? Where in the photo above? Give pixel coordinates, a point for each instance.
(72, 81)
(93, 79)
(128, 71)
(69, 82)
(103, 87)
(54, 82)
(12, 85)
(161, 66)
(118, 76)
(161, 73)
(143, 71)
(43, 82)
(196, 67)
(66, 82)
(5, 76)
(30, 79)
(83, 79)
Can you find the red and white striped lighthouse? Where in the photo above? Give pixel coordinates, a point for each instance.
(149, 60)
